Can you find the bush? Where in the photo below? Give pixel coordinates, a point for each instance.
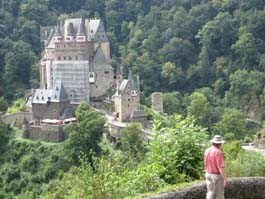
(248, 163)
(179, 150)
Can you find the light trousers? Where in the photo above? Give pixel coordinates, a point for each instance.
(215, 186)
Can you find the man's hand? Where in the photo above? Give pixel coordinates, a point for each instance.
(225, 182)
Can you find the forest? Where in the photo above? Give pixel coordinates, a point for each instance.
(207, 57)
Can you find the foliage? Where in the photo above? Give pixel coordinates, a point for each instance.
(5, 135)
(85, 135)
(232, 121)
(105, 180)
(132, 141)
(17, 106)
(248, 163)
(3, 104)
(178, 149)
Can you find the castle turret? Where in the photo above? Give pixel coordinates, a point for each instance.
(58, 35)
(81, 36)
(70, 33)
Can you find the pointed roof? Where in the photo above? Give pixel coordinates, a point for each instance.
(70, 30)
(130, 76)
(94, 24)
(100, 58)
(59, 93)
(123, 86)
(81, 29)
(58, 31)
(133, 81)
(134, 85)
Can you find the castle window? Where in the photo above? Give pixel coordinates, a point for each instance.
(55, 96)
(57, 88)
(37, 97)
(70, 58)
(59, 58)
(64, 58)
(42, 98)
(106, 72)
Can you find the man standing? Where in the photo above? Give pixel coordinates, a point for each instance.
(214, 167)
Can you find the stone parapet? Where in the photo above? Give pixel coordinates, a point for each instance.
(238, 188)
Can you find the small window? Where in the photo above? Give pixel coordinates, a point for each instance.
(42, 98)
(106, 72)
(59, 58)
(70, 58)
(76, 57)
(64, 58)
(37, 97)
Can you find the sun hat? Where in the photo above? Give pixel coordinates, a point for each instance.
(217, 139)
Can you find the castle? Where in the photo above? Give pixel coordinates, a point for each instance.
(75, 67)
(77, 53)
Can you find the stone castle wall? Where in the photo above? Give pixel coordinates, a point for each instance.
(16, 117)
(238, 188)
(49, 133)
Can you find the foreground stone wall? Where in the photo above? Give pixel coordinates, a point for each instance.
(238, 188)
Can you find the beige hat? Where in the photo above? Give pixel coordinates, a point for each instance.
(217, 139)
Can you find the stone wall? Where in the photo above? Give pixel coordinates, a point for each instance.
(238, 188)
(49, 133)
(16, 117)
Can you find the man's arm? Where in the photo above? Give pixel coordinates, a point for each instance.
(222, 172)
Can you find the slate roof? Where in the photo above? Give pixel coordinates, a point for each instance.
(123, 86)
(57, 94)
(100, 58)
(138, 113)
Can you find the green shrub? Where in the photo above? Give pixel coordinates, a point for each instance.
(248, 163)
(178, 149)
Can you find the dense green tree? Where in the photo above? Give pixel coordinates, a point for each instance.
(85, 136)
(232, 122)
(218, 35)
(178, 51)
(3, 105)
(198, 108)
(246, 51)
(244, 90)
(172, 103)
(132, 141)
(6, 133)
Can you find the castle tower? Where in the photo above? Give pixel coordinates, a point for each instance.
(157, 102)
(126, 99)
